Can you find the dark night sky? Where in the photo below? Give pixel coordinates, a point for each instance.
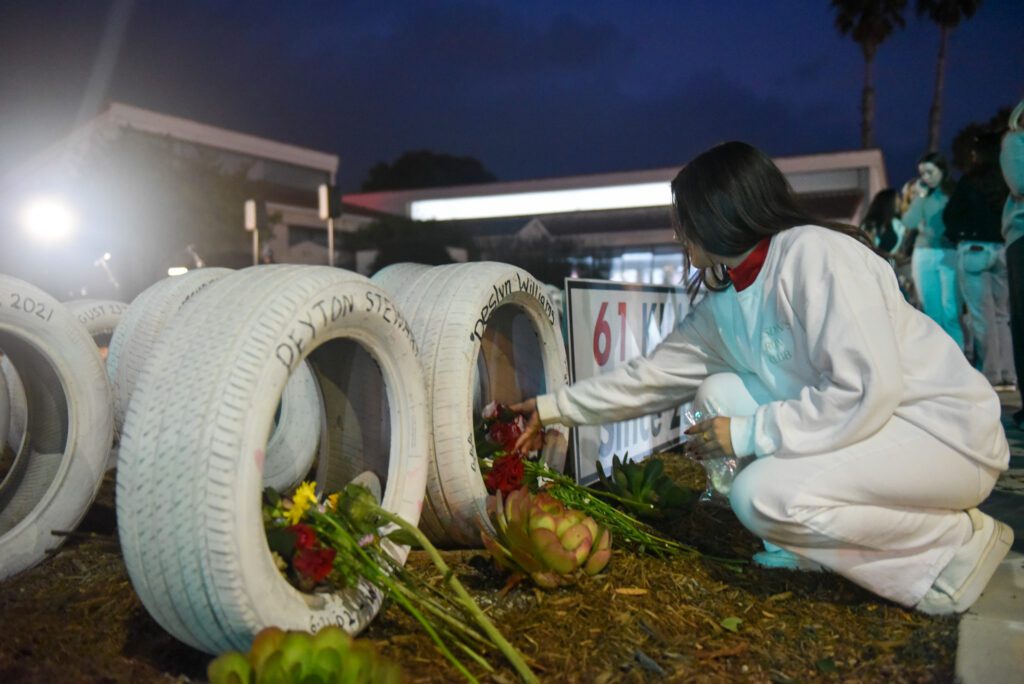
(532, 88)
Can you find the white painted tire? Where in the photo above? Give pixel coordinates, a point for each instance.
(297, 432)
(293, 449)
(5, 413)
(396, 276)
(99, 316)
(486, 331)
(18, 402)
(190, 469)
(141, 325)
(69, 425)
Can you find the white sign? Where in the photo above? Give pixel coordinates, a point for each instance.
(609, 324)
(250, 215)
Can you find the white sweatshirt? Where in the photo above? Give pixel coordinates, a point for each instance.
(825, 328)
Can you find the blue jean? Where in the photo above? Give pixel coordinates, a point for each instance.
(1015, 266)
(934, 271)
(981, 272)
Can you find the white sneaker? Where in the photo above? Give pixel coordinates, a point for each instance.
(778, 558)
(963, 579)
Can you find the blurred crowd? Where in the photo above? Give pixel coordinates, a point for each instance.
(957, 247)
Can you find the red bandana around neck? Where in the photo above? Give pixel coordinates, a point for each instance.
(744, 275)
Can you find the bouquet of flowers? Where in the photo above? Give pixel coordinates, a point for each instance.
(302, 556)
(601, 506)
(328, 543)
(506, 471)
(500, 462)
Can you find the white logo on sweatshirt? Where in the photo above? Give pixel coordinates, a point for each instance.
(772, 345)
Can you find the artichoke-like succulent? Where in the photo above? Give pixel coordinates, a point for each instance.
(644, 488)
(539, 538)
(279, 657)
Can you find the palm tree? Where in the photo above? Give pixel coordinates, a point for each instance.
(869, 22)
(947, 14)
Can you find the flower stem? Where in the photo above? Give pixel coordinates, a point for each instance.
(430, 606)
(376, 575)
(625, 526)
(467, 602)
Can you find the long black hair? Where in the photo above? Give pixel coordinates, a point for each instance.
(878, 219)
(728, 199)
(936, 158)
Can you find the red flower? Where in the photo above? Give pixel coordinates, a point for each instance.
(305, 537)
(506, 474)
(505, 434)
(315, 564)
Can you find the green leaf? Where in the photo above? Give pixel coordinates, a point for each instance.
(826, 665)
(230, 668)
(670, 496)
(633, 474)
(653, 472)
(731, 623)
(274, 670)
(404, 537)
(271, 496)
(281, 541)
(487, 449)
(601, 475)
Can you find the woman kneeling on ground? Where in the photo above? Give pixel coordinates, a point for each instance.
(874, 438)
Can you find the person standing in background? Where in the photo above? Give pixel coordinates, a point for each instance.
(1012, 161)
(882, 222)
(973, 219)
(933, 262)
(887, 232)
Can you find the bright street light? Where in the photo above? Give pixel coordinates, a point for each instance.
(48, 219)
(177, 271)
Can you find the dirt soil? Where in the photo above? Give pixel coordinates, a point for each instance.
(75, 618)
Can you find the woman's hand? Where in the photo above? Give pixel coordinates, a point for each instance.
(709, 439)
(532, 438)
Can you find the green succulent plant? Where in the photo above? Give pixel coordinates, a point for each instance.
(644, 488)
(539, 538)
(330, 656)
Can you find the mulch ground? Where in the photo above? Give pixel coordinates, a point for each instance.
(75, 618)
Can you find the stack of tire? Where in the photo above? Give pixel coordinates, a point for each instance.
(486, 332)
(225, 382)
(194, 444)
(56, 421)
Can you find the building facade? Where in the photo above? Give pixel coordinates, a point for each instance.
(157, 192)
(618, 222)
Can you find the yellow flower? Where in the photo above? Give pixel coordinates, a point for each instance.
(332, 502)
(304, 497)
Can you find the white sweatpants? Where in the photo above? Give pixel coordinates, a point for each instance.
(886, 513)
